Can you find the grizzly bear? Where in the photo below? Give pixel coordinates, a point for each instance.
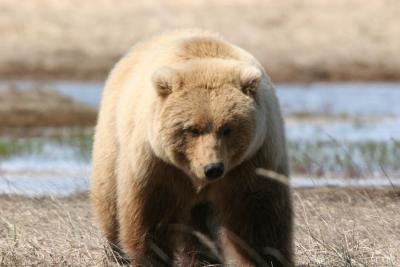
(186, 118)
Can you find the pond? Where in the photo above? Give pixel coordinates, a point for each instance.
(338, 135)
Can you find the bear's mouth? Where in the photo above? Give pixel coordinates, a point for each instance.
(199, 183)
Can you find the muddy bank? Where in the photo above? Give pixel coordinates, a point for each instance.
(42, 108)
(296, 41)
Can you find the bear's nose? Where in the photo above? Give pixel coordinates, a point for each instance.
(214, 170)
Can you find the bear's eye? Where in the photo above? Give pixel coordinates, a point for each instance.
(194, 132)
(226, 131)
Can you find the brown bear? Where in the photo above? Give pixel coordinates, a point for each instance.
(186, 118)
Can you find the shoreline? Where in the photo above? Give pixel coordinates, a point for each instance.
(70, 183)
(42, 108)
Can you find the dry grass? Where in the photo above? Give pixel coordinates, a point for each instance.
(296, 40)
(38, 108)
(48, 232)
(342, 227)
(334, 227)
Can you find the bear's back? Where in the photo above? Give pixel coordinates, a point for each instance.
(179, 46)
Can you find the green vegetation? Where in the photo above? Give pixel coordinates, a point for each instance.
(351, 159)
(329, 158)
(78, 140)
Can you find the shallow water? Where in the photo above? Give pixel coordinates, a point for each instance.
(338, 134)
(355, 99)
(43, 185)
(345, 131)
(61, 165)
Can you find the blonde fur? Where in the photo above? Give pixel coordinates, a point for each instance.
(131, 162)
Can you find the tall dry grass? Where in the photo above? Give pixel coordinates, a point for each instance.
(337, 227)
(333, 227)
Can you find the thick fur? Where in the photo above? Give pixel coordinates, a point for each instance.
(148, 189)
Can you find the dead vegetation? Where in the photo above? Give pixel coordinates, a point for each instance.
(345, 227)
(333, 227)
(295, 40)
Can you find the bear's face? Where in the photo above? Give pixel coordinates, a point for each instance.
(208, 117)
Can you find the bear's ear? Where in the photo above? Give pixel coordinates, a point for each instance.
(249, 80)
(165, 80)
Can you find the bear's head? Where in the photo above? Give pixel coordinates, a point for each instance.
(209, 115)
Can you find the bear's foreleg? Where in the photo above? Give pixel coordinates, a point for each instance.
(148, 211)
(104, 186)
(257, 219)
(201, 247)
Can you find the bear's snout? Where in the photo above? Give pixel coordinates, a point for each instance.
(214, 170)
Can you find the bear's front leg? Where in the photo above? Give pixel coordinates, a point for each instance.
(200, 241)
(148, 209)
(257, 218)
